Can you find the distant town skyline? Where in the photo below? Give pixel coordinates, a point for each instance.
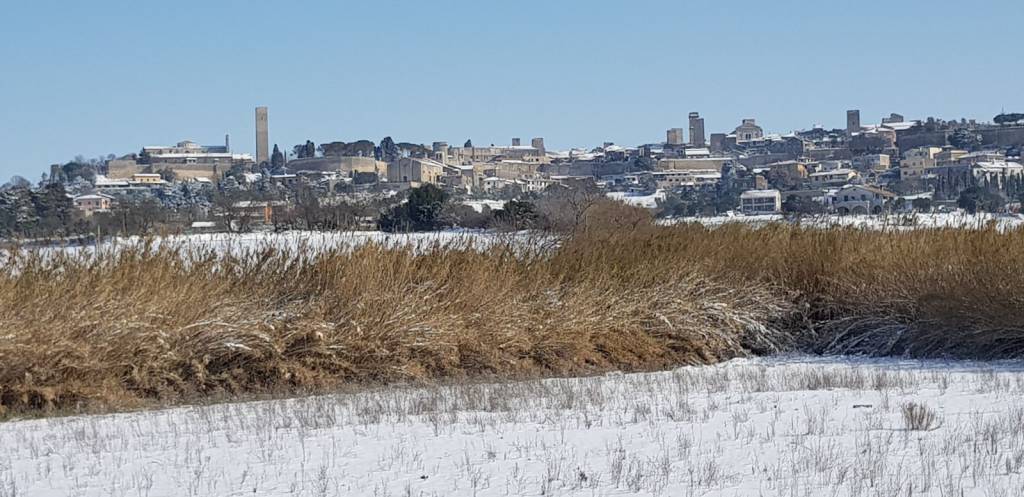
(110, 77)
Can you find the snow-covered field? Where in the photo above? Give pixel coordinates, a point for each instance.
(769, 427)
(885, 222)
(314, 241)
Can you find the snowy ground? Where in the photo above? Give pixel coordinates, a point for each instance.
(645, 201)
(885, 222)
(314, 241)
(770, 427)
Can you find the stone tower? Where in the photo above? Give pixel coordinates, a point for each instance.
(674, 136)
(696, 130)
(538, 143)
(852, 122)
(262, 136)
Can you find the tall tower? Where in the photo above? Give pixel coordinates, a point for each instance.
(262, 136)
(674, 137)
(538, 143)
(696, 130)
(852, 122)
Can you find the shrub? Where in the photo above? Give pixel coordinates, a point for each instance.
(420, 212)
(918, 417)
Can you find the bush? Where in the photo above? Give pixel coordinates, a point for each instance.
(464, 216)
(420, 212)
(918, 417)
(517, 215)
(977, 199)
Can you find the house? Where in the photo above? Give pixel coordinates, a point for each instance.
(836, 177)
(858, 200)
(285, 180)
(700, 163)
(257, 210)
(949, 156)
(667, 180)
(753, 202)
(147, 179)
(536, 183)
(494, 184)
(93, 203)
(916, 162)
(872, 162)
(415, 171)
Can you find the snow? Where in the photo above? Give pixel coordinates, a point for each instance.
(310, 242)
(958, 220)
(645, 201)
(791, 426)
(478, 205)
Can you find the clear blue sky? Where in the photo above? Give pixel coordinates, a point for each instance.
(102, 77)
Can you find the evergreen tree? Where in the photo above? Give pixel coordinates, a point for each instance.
(276, 159)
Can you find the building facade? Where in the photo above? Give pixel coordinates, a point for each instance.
(262, 135)
(697, 130)
(754, 202)
(748, 131)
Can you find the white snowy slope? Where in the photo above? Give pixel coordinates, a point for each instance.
(771, 427)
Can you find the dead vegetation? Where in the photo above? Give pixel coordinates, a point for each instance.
(160, 324)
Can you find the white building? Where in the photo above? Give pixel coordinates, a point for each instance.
(754, 202)
(858, 200)
(683, 178)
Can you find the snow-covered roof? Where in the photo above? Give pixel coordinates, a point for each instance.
(761, 194)
(834, 172)
(93, 196)
(102, 180)
(901, 126)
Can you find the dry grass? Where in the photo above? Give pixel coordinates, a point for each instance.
(162, 324)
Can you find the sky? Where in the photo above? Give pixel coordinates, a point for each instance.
(109, 77)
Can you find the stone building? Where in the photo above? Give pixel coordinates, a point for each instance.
(262, 136)
(187, 160)
(696, 130)
(852, 122)
(674, 137)
(346, 165)
(748, 131)
(470, 155)
(702, 163)
(415, 171)
(918, 161)
(872, 162)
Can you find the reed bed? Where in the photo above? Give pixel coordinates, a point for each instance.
(157, 324)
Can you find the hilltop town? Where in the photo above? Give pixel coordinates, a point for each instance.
(897, 165)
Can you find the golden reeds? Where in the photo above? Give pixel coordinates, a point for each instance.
(149, 323)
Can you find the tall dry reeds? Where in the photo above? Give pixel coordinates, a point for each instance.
(157, 323)
(148, 323)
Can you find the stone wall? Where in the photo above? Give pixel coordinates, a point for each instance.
(1009, 136)
(123, 168)
(189, 171)
(908, 140)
